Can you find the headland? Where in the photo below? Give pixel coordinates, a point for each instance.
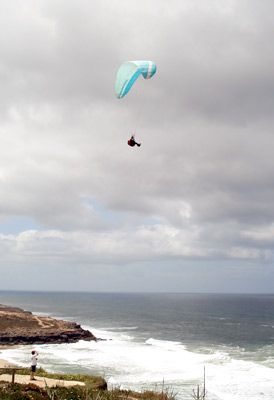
(19, 327)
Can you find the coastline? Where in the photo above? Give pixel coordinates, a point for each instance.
(20, 327)
(4, 363)
(142, 355)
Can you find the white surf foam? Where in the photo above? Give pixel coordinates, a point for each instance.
(136, 365)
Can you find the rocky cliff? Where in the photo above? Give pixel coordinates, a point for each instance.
(22, 327)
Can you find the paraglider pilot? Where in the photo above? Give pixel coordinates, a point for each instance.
(131, 142)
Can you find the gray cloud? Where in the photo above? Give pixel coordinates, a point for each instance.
(200, 188)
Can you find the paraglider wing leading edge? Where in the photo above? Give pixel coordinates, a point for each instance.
(129, 71)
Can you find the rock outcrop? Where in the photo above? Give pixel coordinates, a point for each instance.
(22, 327)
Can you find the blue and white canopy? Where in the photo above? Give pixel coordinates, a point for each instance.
(129, 71)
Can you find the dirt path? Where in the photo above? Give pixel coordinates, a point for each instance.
(45, 323)
(42, 382)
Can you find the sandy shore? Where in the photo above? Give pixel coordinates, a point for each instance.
(6, 364)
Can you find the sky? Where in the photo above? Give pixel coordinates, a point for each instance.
(192, 209)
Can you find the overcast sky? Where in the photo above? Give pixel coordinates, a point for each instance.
(192, 209)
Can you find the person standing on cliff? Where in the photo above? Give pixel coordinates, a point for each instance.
(34, 358)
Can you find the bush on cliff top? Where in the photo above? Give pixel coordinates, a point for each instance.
(30, 391)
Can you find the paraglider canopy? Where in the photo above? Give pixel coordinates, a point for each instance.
(128, 72)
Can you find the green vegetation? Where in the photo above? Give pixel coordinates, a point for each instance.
(30, 391)
(94, 382)
(95, 389)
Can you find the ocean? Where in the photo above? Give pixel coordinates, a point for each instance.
(157, 341)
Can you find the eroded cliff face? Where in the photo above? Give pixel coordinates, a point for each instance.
(22, 327)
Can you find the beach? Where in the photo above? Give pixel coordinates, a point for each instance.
(6, 364)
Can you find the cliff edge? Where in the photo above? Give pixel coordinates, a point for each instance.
(22, 327)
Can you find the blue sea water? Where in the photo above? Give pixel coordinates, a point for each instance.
(157, 341)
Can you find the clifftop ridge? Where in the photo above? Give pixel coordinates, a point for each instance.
(22, 327)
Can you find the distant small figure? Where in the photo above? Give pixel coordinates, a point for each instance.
(131, 142)
(34, 358)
